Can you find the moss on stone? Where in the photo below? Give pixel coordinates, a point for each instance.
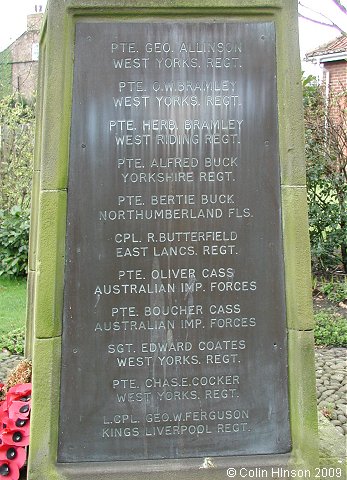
(48, 247)
(302, 397)
(50, 264)
(297, 259)
(45, 409)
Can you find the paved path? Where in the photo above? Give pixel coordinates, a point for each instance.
(7, 363)
(331, 367)
(331, 379)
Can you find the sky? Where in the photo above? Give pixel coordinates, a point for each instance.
(13, 15)
(313, 35)
(13, 18)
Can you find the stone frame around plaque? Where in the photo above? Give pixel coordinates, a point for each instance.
(47, 241)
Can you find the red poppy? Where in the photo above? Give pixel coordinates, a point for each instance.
(3, 414)
(21, 425)
(9, 470)
(18, 409)
(19, 393)
(14, 436)
(10, 453)
(14, 430)
(22, 390)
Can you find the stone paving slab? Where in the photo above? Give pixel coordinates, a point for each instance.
(7, 363)
(331, 378)
(332, 443)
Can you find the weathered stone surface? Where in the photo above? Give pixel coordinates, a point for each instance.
(57, 49)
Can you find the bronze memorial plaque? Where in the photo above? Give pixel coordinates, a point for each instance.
(174, 329)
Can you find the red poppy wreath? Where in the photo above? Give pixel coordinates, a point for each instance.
(14, 430)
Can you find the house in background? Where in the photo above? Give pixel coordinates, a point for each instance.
(19, 61)
(332, 58)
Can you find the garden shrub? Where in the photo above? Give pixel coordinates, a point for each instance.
(14, 241)
(326, 171)
(330, 329)
(13, 341)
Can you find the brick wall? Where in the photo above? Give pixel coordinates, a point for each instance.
(21, 62)
(337, 104)
(24, 66)
(337, 75)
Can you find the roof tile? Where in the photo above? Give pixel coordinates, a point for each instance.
(338, 45)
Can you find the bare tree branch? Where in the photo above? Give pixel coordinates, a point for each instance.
(319, 22)
(326, 156)
(327, 22)
(340, 6)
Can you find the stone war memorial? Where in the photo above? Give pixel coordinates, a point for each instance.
(169, 308)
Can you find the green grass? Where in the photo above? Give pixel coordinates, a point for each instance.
(12, 304)
(330, 329)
